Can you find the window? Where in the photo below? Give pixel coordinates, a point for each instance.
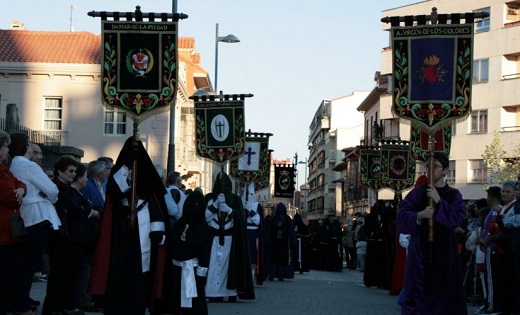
(115, 122)
(482, 25)
(450, 177)
(512, 11)
(480, 70)
(321, 181)
(477, 171)
(479, 121)
(52, 113)
(320, 203)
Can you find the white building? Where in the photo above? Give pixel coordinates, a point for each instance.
(336, 125)
(495, 96)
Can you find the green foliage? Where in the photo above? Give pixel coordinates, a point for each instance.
(500, 165)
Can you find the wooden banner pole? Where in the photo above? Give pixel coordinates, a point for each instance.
(431, 169)
(133, 195)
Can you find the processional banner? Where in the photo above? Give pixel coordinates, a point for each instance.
(370, 168)
(397, 166)
(219, 129)
(284, 176)
(432, 73)
(254, 164)
(139, 66)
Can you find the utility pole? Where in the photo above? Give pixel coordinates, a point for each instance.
(170, 164)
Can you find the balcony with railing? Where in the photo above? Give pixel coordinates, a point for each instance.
(45, 137)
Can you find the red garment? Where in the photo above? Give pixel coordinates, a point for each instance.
(398, 275)
(9, 205)
(117, 270)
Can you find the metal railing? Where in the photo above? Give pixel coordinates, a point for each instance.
(45, 137)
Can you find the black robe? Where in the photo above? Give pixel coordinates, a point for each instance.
(117, 274)
(376, 259)
(302, 252)
(191, 239)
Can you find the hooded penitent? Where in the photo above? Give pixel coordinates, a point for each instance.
(239, 271)
(122, 267)
(254, 213)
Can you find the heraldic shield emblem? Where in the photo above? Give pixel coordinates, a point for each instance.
(219, 130)
(139, 66)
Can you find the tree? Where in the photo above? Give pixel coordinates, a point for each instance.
(500, 165)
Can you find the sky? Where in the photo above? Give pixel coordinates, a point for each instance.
(292, 53)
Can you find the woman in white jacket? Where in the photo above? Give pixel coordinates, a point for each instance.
(37, 211)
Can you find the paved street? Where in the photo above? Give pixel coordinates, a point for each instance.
(316, 292)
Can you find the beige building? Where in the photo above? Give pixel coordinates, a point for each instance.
(495, 96)
(51, 84)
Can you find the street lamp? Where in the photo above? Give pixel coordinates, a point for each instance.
(170, 163)
(306, 189)
(225, 39)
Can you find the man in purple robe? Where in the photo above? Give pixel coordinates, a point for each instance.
(433, 281)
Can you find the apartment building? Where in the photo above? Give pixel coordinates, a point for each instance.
(336, 125)
(495, 91)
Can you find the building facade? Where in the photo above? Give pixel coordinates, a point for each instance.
(51, 84)
(495, 92)
(336, 125)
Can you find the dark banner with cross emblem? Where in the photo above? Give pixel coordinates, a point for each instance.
(397, 166)
(139, 66)
(284, 176)
(419, 142)
(219, 129)
(432, 73)
(370, 168)
(254, 164)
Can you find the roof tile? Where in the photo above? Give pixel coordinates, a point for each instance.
(58, 47)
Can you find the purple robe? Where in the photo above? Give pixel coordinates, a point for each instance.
(433, 281)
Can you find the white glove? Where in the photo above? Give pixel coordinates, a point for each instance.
(221, 198)
(224, 208)
(404, 240)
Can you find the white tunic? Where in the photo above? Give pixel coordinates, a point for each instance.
(219, 260)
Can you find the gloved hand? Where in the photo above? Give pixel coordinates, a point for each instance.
(156, 237)
(252, 213)
(224, 208)
(221, 198)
